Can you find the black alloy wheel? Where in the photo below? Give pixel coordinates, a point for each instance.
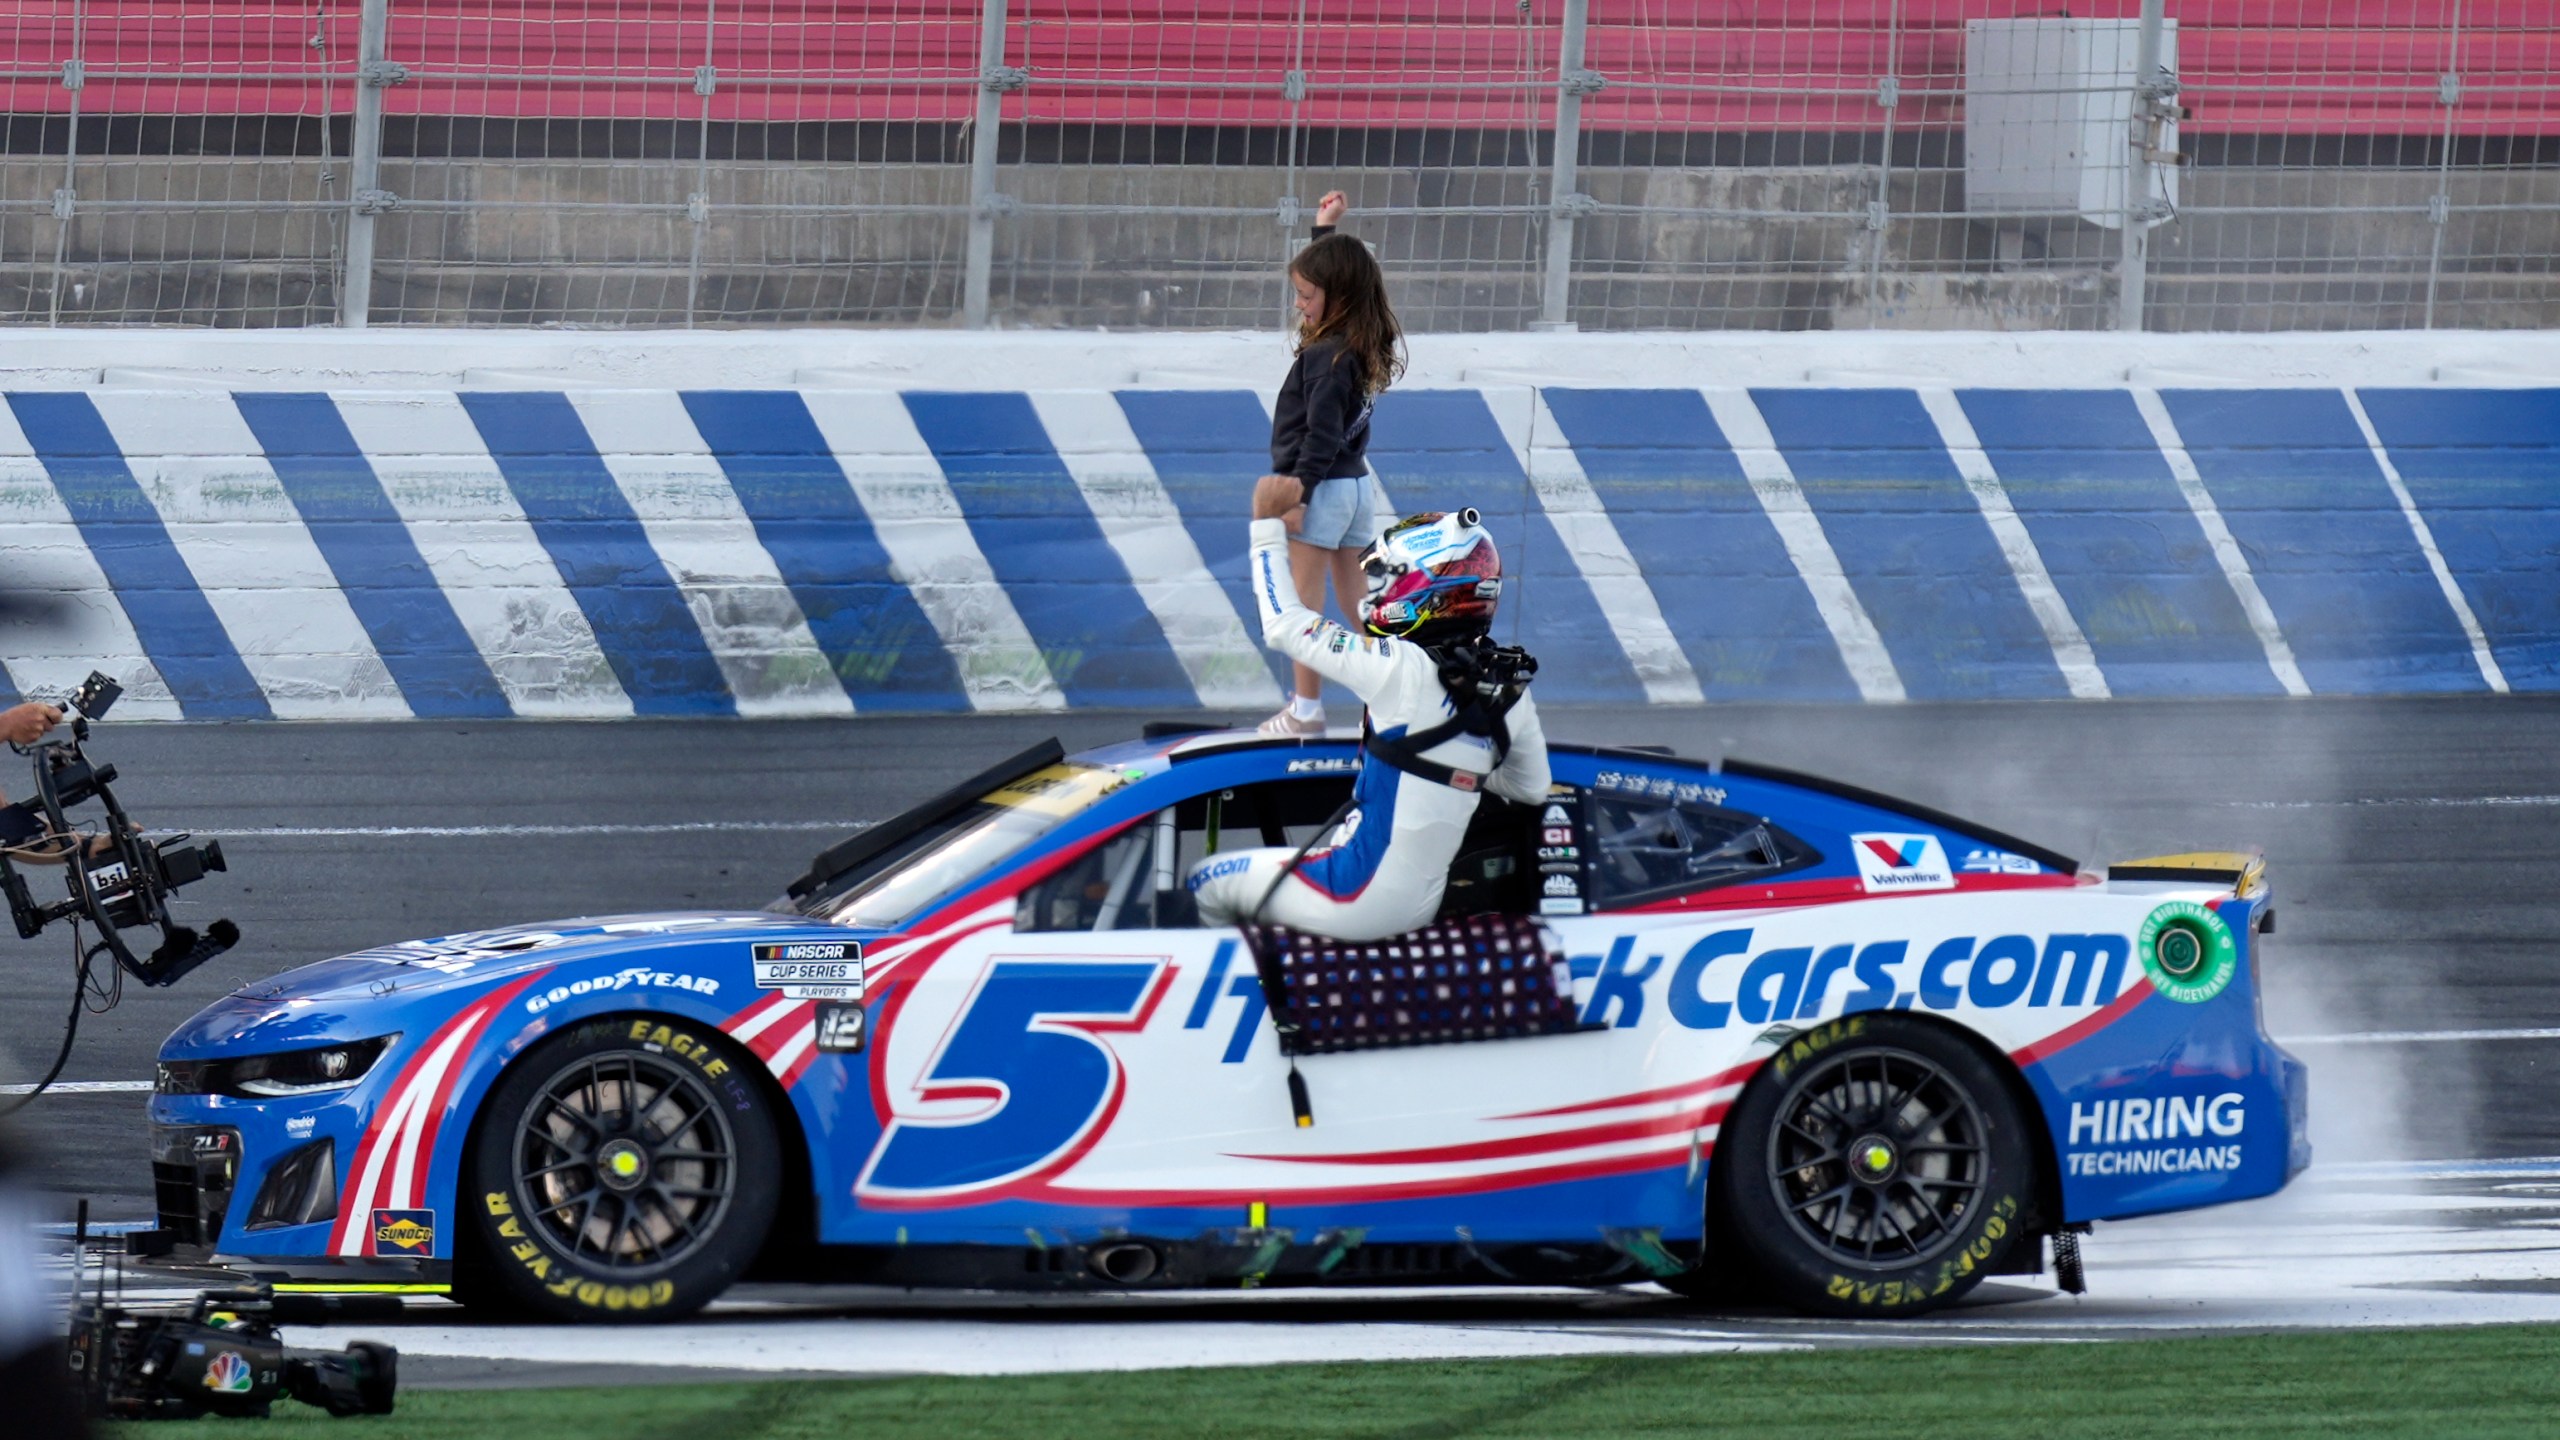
(1877, 1165)
(1878, 1157)
(621, 1172)
(626, 1161)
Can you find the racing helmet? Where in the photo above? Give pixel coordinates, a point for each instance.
(1433, 578)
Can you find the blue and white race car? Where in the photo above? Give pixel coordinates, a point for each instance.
(1727, 1027)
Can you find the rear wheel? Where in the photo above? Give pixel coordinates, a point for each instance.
(622, 1171)
(1876, 1166)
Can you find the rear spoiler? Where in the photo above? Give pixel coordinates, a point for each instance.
(2245, 871)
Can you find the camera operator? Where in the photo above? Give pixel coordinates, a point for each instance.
(25, 724)
(30, 1335)
(24, 821)
(41, 1403)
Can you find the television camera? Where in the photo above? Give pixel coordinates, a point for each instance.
(118, 882)
(223, 1355)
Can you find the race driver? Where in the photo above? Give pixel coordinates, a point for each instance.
(1449, 719)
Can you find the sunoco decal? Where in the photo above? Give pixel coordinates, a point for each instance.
(810, 969)
(407, 1233)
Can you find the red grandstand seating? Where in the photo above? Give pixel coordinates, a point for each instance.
(2250, 66)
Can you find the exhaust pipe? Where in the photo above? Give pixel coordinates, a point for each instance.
(1125, 1262)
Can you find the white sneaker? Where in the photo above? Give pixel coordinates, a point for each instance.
(1288, 723)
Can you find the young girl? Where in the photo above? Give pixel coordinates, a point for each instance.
(1348, 351)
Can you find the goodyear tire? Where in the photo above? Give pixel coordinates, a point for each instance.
(621, 1171)
(1876, 1166)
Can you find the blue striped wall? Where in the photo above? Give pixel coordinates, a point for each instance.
(712, 553)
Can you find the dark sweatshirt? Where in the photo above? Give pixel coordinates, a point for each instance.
(1320, 424)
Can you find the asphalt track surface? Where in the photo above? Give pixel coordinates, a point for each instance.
(2414, 845)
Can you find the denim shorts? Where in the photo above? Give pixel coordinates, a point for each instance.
(1342, 514)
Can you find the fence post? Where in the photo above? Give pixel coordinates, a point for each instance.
(2140, 134)
(2440, 204)
(697, 203)
(66, 196)
(994, 79)
(366, 198)
(1566, 201)
(1880, 209)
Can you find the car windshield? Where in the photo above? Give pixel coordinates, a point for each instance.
(933, 861)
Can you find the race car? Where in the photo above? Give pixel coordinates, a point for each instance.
(1730, 1028)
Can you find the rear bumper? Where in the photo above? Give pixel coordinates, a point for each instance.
(2178, 1103)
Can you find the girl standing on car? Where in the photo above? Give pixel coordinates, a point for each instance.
(1348, 350)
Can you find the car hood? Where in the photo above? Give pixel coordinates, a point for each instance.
(376, 991)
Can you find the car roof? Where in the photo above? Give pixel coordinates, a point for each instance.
(1164, 744)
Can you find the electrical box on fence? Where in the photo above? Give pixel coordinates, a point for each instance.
(2048, 118)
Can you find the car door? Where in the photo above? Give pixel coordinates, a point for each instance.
(1094, 1029)
(1098, 1050)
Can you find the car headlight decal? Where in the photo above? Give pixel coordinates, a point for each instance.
(316, 1071)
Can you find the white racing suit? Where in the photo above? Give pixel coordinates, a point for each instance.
(1381, 871)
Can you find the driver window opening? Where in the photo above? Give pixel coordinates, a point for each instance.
(1133, 881)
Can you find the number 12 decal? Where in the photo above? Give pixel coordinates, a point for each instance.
(1027, 1041)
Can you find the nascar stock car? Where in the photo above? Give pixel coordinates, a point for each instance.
(1723, 1026)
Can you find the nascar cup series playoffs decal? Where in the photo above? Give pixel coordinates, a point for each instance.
(1891, 864)
(810, 969)
(2187, 951)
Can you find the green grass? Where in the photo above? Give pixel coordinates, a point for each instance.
(2485, 1381)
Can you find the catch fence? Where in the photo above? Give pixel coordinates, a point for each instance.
(2196, 165)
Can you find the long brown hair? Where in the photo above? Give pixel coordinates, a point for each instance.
(1356, 308)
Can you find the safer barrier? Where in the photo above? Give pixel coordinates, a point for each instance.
(813, 552)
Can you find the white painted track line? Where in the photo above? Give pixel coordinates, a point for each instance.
(2378, 1244)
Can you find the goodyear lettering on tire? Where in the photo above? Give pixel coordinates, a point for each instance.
(594, 1294)
(1892, 1294)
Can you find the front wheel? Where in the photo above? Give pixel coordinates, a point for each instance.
(1876, 1166)
(622, 1171)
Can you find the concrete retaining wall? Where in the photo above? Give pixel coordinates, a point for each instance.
(523, 242)
(673, 527)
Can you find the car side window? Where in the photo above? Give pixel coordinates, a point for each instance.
(1134, 880)
(1648, 849)
(1112, 886)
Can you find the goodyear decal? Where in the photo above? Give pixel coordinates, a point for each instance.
(643, 976)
